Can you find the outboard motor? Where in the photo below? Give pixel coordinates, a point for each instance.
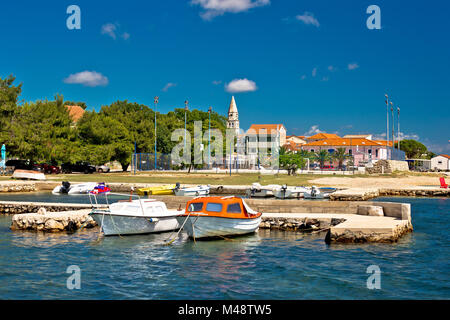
(65, 187)
(177, 186)
(283, 189)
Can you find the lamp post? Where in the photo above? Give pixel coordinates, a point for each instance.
(186, 108)
(392, 112)
(209, 137)
(398, 127)
(156, 105)
(387, 126)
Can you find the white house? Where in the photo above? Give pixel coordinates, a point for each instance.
(441, 162)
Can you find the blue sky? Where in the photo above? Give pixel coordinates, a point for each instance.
(311, 65)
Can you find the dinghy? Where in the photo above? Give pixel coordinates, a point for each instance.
(209, 217)
(256, 190)
(191, 191)
(135, 217)
(285, 192)
(28, 175)
(157, 190)
(81, 188)
(315, 193)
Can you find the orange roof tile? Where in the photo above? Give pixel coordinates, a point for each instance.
(323, 136)
(344, 142)
(445, 156)
(267, 127)
(75, 112)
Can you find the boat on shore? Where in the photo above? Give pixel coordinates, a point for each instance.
(191, 191)
(315, 193)
(156, 190)
(139, 216)
(210, 217)
(28, 175)
(81, 188)
(285, 192)
(256, 190)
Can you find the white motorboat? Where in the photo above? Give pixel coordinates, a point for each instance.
(285, 192)
(191, 191)
(315, 193)
(28, 175)
(81, 188)
(256, 190)
(136, 217)
(211, 217)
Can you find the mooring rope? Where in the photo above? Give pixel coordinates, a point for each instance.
(181, 228)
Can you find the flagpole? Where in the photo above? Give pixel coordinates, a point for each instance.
(156, 106)
(387, 126)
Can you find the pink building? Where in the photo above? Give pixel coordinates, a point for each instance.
(360, 149)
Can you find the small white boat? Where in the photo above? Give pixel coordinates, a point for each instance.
(67, 188)
(285, 192)
(315, 193)
(136, 217)
(256, 190)
(211, 217)
(191, 191)
(28, 175)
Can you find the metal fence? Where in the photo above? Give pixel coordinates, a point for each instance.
(146, 162)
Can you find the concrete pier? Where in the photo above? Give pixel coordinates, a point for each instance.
(363, 194)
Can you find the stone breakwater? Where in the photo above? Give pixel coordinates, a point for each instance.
(53, 221)
(16, 207)
(13, 186)
(305, 224)
(363, 194)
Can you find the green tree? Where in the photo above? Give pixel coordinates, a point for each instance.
(340, 156)
(322, 156)
(413, 149)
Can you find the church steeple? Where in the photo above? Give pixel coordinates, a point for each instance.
(233, 116)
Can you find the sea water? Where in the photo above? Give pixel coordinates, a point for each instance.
(264, 265)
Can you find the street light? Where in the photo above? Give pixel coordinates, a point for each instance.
(156, 105)
(387, 126)
(392, 112)
(398, 127)
(186, 108)
(209, 137)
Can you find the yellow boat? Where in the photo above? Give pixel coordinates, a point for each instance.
(159, 190)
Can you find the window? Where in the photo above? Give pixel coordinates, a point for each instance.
(234, 208)
(350, 152)
(195, 207)
(214, 207)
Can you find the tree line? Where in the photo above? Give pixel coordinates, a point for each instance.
(43, 131)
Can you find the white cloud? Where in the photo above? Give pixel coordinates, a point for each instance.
(313, 130)
(168, 86)
(87, 78)
(353, 66)
(240, 85)
(332, 69)
(303, 77)
(110, 30)
(325, 79)
(217, 82)
(403, 136)
(308, 18)
(214, 8)
(314, 72)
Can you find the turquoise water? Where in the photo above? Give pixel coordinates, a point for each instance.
(266, 265)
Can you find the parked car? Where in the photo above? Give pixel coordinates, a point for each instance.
(49, 168)
(78, 167)
(19, 164)
(327, 167)
(103, 168)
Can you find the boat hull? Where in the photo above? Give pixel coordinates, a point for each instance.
(210, 227)
(113, 224)
(191, 193)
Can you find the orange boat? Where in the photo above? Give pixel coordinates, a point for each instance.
(207, 217)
